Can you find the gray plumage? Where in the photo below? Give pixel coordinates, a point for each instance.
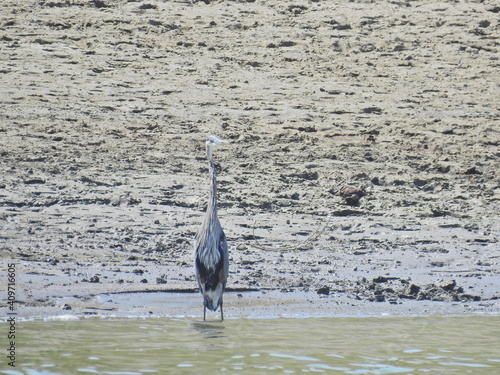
(211, 252)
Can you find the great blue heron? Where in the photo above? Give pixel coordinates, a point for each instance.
(211, 253)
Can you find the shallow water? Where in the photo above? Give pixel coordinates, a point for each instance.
(337, 345)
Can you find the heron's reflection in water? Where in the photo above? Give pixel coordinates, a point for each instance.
(210, 330)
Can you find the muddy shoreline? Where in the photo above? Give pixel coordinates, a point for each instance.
(103, 180)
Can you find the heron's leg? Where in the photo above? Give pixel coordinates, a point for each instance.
(204, 310)
(221, 311)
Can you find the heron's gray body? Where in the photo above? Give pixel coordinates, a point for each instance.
(211, 251)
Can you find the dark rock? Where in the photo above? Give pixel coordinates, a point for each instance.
(375, 110)
(148, 6)
(352, 195)
(411, 290)
(286, 44)
(368, 47)
(100, 4)
(297, 9)
(34, 181)
(419, 183)
(343, 27)
(324, 290)
(443, 168)
(307, 129)
(94, 279)
(472, 170)
(484, 23)
(162, 279)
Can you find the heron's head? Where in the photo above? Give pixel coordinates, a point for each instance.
(212, 142)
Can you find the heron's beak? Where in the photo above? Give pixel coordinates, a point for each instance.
(213, 141)
(219, 141)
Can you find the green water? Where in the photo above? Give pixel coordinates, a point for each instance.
(336, 345)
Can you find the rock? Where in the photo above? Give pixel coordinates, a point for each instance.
(101, 4)
(484, 23)
(34, 181)
(297, 9)
(447, 285)
(422, 296)
(419, 183)
(352, 195)
(472, 170)
(162, 279)
(443, 168)
(375, 110)
(410, 291)
(148, 6)
(368, 47)
(94, 279)
(324, 290)
(286, 43)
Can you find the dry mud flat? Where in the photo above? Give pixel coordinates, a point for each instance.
(103, 178)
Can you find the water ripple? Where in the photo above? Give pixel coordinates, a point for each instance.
(295, 357)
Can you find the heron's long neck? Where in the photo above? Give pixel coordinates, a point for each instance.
(212, 200)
